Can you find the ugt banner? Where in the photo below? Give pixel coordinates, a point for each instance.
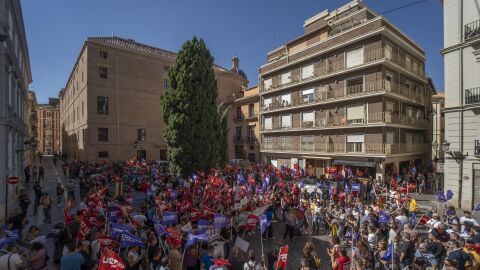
(110, 261)
(282, 258)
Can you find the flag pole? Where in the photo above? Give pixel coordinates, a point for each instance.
(393, 253)
(418, 221)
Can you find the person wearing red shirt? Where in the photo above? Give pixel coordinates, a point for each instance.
(342, 262)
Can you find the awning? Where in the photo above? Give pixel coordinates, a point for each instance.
(322, 158)
(355, 163)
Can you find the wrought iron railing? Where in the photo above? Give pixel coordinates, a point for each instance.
(472, 30)
(472, 95)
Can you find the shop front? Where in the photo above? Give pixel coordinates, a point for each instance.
(358, 169)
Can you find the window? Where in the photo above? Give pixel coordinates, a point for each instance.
(267, 84)
(356, 114)
(308, 95)
(103, 134)
(267, 123)
(286, 78)
(251, 110)
(355, 143)
(163, 154)
(287, 121)
(250, 133)
(267, 102)
(415, 67)
(239, 151)
(166, 68)
(141, 154)
(354, 86)
(103, 72)
(307, 143)
(239, 113)
(389, 138)
(141, 135)
(165, 83)
(355, 57)
(44, 114)
(251, 157)
(307, 71)
(103, 54)
(409, 111)
(103, 154)
(102, 105)
(308, 119)
(388, 82)
(388, 52)
(408, 61)
(49, 114)
(238, 133)
(286, 100)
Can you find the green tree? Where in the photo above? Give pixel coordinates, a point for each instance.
(190, 111)
(223, 134)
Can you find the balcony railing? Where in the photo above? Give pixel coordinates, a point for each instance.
(342, 148)
(472, 96)
(472, 30)
(416, 95)
(342, 121)
(238, 118)
(326, 67)
(251, 115)
(247, 140)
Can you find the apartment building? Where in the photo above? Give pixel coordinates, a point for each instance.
(243, 126)
(110, 108)
(350, 93)
(32, 117)
(15, 77)
(49, 131)
(462, 101)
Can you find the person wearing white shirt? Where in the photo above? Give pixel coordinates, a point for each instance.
(467, 217)
(11, 259)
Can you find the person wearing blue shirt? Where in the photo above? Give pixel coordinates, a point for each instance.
(72, 260)
(207, 259)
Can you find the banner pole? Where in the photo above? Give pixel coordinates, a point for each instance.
(418, 221)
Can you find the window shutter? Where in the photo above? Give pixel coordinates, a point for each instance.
(267, 102)
(267, 84)
(356, 112)
(286, 121)
(286, 78)
(389, 138)
(308, 117)
(307, 92)
(356, 138)
(307, 71)
(268, 122)
(355, 57)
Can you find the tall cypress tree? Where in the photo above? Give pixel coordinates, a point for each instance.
(190, 111)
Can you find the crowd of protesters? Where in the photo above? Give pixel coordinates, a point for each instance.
(194, 222)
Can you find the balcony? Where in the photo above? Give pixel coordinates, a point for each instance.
(472, 30)
(251, 116)
(353, 91)
(472, 96)
(326, 67)
(348, 149)
(238, 118)
(375, 118)
(245, 140)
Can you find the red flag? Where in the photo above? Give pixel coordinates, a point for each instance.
(424, 220)
(66, 217)
(220, 262)
(107, 242)
(282, 258)
(110, 261)
(195, 215)
(84, 230)
(251, 222)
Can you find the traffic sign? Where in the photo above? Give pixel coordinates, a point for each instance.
(12, 180)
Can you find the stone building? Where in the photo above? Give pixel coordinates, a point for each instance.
(348, 94)
(110, 107)
(32, 117)
(49, 131)
(15, 77)
(461, 53)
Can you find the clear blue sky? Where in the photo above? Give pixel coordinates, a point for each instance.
(56, 29)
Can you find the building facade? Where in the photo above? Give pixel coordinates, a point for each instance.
(110, 107)
(243, 126)
(462, 100)
(15, 77)
(348, 94)
(32, 117)
(49, 130)
(438, 126)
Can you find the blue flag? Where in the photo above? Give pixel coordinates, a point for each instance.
(347, 188)
(118, 229)
(264, 223)
(477, 208)
(388, 254)
(355, 187)
(240, 179)
(220, 221)
(441, 197)
(149, 192)
(449, 194)
(384, 217)
(202, 237)
(11, 237)
(203, 224)
(348, 235)
(413, 219)
(173, 195)
(159, 228)
(56, 232)
(130, 240)
(190, 239)
(169, 218)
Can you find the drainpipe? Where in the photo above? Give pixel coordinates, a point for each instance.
(461, 106)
